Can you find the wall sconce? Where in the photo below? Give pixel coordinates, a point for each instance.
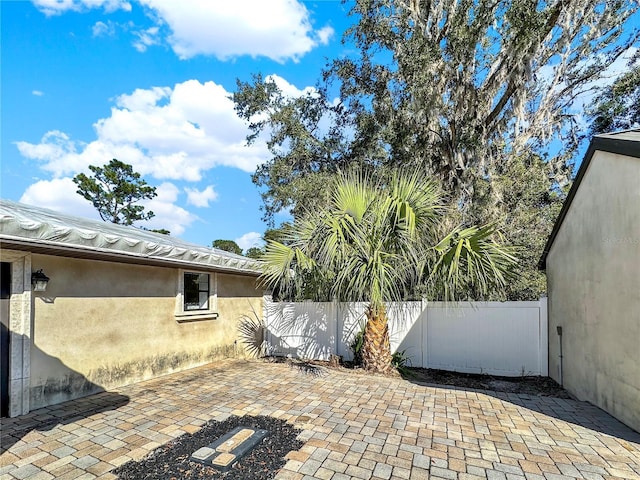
(39, 281)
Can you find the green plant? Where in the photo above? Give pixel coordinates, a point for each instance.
(374, 240)
(401, 362)
(356, 347)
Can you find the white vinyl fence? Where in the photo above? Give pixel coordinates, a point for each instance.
(508, 339)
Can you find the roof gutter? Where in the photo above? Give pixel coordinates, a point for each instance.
(65, 250)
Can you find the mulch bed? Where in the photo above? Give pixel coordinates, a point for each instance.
(171, 461)
(528, 385)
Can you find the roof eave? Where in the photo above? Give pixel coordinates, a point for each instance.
(74, 251)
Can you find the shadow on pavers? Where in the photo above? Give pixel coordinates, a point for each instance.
(553, 402)
(14, 429)
(70, 398)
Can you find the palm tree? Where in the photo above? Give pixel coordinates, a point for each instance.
(375, 242)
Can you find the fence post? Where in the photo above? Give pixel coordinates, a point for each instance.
(424, 305)
(336, 305)
(267, 299)
(544, 337)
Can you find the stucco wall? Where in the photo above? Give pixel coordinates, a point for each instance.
(593, 275)
(103, 324)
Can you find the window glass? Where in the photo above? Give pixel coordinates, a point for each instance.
(196, 291)
(204, 300)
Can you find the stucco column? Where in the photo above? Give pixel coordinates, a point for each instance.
(20, 331)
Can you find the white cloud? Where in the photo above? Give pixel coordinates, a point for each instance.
(288, 89)
(167, 133)
(102, 29)
(62, 156)
(277, 29)
(57, 7)
(167, 214)
(202, 198)
(60, 195)
(146, 38)
(248, 240)
(325, 34)
(142, 99)
(37, 93)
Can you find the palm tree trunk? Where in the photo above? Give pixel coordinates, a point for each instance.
(376, 351)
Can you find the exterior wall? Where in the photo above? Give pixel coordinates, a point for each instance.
(102, 324)
(593, 275)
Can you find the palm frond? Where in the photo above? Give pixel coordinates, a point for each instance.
(251, 332)
(470, 256)
(282, 266)
(373, 241)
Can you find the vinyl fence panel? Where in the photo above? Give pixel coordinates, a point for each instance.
(497, 338)
(493, 337)
(405, 330)
(304, 330)
(351, 320)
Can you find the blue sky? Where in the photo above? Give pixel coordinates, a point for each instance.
(147, 82)
(84, 81)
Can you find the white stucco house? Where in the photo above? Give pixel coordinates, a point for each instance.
(592, 261)
(121, 305)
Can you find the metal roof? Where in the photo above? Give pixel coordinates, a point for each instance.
(626, 142)
(39, 230)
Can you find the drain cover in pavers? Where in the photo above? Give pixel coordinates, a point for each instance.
(229, 448)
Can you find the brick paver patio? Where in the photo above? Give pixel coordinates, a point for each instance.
(354, 426)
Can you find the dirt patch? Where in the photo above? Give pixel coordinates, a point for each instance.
(527, 385)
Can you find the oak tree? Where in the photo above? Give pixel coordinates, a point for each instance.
(457, 88)
(618, 106)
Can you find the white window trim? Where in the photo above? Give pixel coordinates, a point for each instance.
(183, 315)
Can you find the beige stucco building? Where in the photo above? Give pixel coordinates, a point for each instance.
(122, 305)
(592, 260)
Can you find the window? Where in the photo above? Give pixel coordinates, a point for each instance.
(196, 298)
(196, 291)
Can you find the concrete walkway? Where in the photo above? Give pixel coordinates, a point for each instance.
(354, 426)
